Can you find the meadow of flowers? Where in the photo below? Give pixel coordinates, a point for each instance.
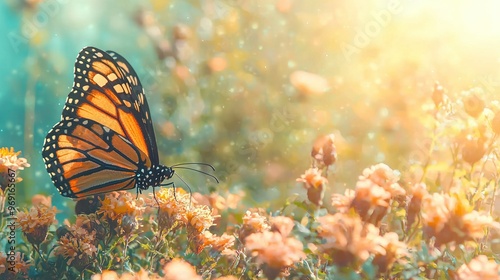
(424, 222)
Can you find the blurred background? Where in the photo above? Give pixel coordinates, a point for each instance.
(248, 85)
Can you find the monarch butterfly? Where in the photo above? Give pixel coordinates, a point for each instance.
(105, 140)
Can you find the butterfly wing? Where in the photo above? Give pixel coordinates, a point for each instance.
(142, 113)
(84, 157)
(107, 90)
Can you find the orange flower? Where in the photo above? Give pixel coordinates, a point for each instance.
(437, 94)
(122, 210)
(281, 224)
(218, 243)
(173, 206)
(21, 267)
(9, 164)
(218, 202)
(495, 123)
(473, 150)
(253, 223)
(274, 250)
(41, 199)
(391, 250)
(223, 242)
(9, 159)
(35, 223)
(479, 268)
(343, 202)
(178, 269)
(112, 275)
(198, 218)
(347, 240)
(451, 219)
(77, 245)
(314, 183)
(324, 151)
(419, 191)
(309, 83)
(375, 189)
(382, 175)
(473, 104)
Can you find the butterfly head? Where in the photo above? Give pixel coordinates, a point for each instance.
(153, 176)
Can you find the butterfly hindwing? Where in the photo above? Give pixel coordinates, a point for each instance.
(107, 90)
(84, 157)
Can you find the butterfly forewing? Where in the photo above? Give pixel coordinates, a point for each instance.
(107, 90)
(84, 157)
(142, 110)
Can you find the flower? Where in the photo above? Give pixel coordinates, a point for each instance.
(198, 218)
(112, 275)
(419, 191)
(39, 199)
(324, 151)
(375, 189)
(451, 219)
(343, 202)
(9, 159)
(274, 251)
(281, 224)
(391, 250)
(346, 239)
(173, 205)
(479, 268)
(382, 175)
(20, 266)
(253, 222)
(308, 83)
(223, 242)
(314, 183)
(218, 243)
(118, 205)
(35, 223)
(495, 123)
(77, 245)
(178, 269)
(9, 164)
(473, 150)
(473, 104)
(437, 94)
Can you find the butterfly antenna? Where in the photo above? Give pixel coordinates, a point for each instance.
(199, 171)
(194, 163)
(189, 187)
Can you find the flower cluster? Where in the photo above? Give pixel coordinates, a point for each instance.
(274, 250)
(450, 218)
(348, 241)
(36, 221)
(122, 211)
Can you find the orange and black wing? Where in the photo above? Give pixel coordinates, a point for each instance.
(107, 90)
(84, 157)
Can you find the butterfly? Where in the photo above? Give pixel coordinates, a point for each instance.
(105, 140)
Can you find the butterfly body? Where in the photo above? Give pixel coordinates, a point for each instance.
(105, 140)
